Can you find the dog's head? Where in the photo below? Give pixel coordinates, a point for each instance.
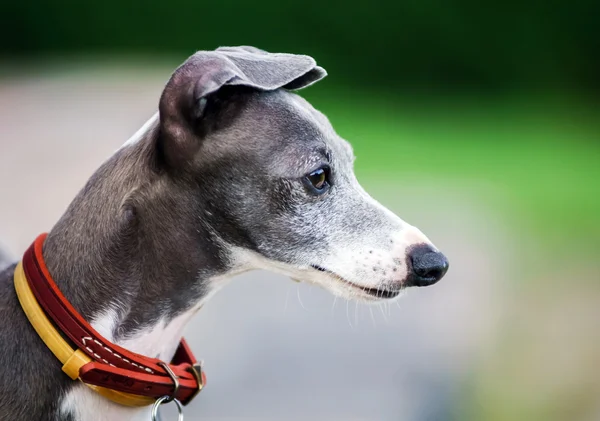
(276, 182)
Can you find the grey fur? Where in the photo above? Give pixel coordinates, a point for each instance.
(226, 189)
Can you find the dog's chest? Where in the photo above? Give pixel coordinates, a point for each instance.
(83, 404)
(161, 339)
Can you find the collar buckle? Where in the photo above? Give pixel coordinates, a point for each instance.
(196, 371)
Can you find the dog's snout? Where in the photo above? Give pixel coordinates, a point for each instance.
(428, 266)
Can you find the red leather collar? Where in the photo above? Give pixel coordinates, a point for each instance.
(112, 367)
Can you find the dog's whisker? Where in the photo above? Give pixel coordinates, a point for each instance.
(333, 305)
(348, 313)
(372, 316)
(381, 308)
(299, 299)
(287, 300)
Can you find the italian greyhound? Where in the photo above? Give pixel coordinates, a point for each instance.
(234, 172)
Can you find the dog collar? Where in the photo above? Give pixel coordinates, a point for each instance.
(122, 376)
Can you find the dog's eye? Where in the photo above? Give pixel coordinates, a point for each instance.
(318, 180)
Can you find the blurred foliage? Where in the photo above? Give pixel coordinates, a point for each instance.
(418, 45)
(534, 159)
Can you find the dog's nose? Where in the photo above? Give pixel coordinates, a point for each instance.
(428, 266)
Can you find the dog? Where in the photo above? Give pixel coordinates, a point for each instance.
(234, 172)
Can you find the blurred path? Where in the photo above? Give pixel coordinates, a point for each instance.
(274, 350)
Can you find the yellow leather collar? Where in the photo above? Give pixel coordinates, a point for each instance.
(72, 359)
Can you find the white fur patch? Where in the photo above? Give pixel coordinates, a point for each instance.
(86, 405)
(106, 323)
(160, 340)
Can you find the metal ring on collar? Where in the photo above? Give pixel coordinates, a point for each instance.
(163, 400)
(175, 381)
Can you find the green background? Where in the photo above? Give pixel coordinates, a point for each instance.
(415, 44)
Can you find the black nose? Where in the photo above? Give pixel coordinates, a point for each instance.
(428, 266)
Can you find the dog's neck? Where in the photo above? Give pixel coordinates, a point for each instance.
(131, 255)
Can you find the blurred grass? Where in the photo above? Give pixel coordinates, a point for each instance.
(534, 159)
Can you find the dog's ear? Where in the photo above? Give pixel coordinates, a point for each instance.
(185, 96)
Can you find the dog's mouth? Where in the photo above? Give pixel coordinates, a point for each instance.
(373, 292)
